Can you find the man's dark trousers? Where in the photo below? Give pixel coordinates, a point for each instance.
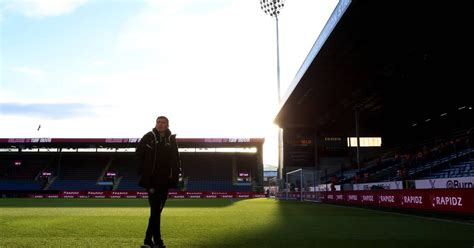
(157, 201)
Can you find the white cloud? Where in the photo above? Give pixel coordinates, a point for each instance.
(31, 72)
(43, 8)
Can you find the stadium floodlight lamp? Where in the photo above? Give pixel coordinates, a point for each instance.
(272, 7)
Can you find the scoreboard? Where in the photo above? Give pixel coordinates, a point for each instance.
(299, 144)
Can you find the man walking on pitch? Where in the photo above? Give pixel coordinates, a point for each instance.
(158, 167)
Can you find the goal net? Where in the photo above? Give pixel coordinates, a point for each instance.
(303, 185)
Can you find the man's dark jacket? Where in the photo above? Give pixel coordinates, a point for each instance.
(151, 172)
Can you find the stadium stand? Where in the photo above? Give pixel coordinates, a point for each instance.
(432, 158)
(79, 173)
(20, 174)
(464, 168)
(126, 172)
(84, 164)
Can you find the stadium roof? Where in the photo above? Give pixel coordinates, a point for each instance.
(399, 63)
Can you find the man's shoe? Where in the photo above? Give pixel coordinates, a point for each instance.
(148, 244)
(159, 244)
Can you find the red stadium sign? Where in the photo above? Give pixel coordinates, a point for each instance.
(451, 200)
(141, 194)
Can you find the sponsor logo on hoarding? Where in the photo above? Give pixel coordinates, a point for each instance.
(193, 193)
(446, 183)
(122, 140)
(385, 185)
(447, 201)
(239, 140)
(95, 192)
(119, 193)
(225, 140)
(352, 198)
(412, 200)
(71, 192)
(367, 198)
(387, 198)
(30, 140)
(456, 184)
(432, 183)
(218, 193)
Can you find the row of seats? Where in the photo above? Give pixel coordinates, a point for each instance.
(419, 170)
(462, 169)
(76, 185)
(216, 186)
(203, 172)
(409, 163)
(19, 184)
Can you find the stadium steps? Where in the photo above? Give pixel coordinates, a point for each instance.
(50, 182)
(106, 168)
(117, 183)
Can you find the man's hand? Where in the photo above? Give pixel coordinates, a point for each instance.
(151, 190)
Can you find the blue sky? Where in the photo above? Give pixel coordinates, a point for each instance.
(107, 68)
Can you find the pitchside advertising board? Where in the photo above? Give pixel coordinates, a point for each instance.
(452, 200)
(446, 183)
(141, 194)
(443, 200)
(380, 185)
(437, 183)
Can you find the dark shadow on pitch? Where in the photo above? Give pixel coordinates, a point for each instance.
(306, 224)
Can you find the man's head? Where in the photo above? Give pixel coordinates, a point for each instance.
(162, 123)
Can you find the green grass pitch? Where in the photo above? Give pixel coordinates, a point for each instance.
(218, 223)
